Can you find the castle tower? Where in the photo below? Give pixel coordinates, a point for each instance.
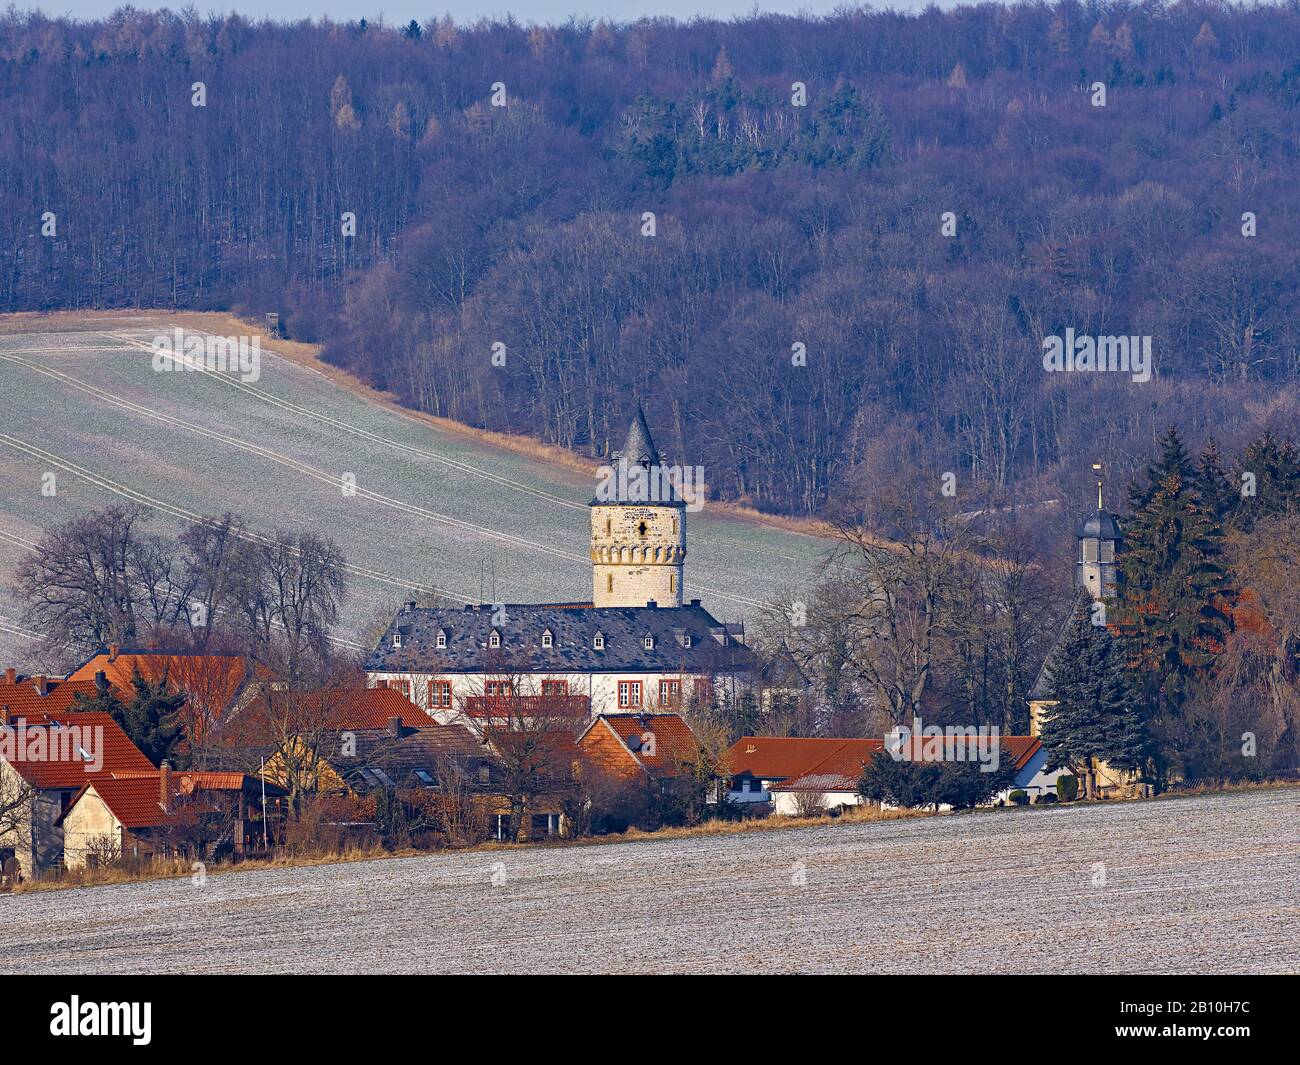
(638, 528)
(1100, 538)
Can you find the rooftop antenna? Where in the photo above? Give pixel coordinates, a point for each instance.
(1096, 468)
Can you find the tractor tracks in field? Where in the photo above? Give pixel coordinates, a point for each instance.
(339, 481)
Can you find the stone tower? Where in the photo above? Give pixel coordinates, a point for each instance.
(1100, 539)
(638, 528)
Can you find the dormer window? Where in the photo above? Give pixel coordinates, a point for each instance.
(648, 643)
(686, 639)
(397, 639)
(598, 642)
(441, 641)
(495, 639)
(548, 639)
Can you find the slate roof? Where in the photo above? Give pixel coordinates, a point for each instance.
(400, 761)
(714, 647)
(639, 448)
(1102, 525)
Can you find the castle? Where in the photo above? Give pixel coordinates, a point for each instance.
(638, 645)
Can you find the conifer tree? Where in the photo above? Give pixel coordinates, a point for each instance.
(1273, 469)
(1174, 591)
(1097, 715)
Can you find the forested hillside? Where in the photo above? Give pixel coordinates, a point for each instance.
(775, 224)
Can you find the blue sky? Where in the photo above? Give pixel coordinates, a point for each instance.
(402, 11)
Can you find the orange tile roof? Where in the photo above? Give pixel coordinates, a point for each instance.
(216, 679)
(62, 766)
(781, 757)
(21, 698)
(132, 800)
(372, 708)
(842, 770)
(673, 738)
(133, 797)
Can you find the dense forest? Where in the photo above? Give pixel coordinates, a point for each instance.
(861, 225)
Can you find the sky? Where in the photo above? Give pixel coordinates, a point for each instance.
(402, 11)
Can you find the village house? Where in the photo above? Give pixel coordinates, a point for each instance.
(757, 763)
(637, 645)
(45, 759)
(161, 813)
(650, 746)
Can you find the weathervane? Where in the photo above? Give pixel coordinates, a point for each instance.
(1096, 468)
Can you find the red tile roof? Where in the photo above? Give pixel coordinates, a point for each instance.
(22, 699)
(842, 770)
(214, 679)
(61, 765)
(673, 739)
(133, 798)
(782, 757)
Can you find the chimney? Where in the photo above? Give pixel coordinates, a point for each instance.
(164, 784)
(113, 650)
(395, 726)
(101, 681)
(410, 605)
(11, 675)
(42, 684)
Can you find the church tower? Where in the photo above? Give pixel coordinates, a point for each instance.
(638, 527)
(1100, 539)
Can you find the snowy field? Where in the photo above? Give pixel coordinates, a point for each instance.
(1200, 885)
(432, 508)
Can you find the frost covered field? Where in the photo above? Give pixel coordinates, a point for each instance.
(1205, 884)
(83, 402)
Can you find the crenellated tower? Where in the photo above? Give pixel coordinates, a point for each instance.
(638, 527)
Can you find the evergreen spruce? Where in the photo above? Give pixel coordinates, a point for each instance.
(1275, 468)
(1174, 590)
(1097, 715)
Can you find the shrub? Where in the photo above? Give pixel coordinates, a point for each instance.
(1046, 797)
(1067, 788)
(1018, 797)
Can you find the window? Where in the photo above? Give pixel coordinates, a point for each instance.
(442, 640)
(702, 688)
(555, 687)
(672, 582)
(403, 686)
(424, 777)
(629, 694)
(598, 642)
(648, 643)
(686, 639)
(495, 639)
(670, 692)
(607, 526)
(397, 639)
(548, 639)
(609, 582)
(439, 693)
(642, 529)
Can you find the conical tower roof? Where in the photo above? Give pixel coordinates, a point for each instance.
(639, 448)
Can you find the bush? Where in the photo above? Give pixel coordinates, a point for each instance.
(1046, 797)
(1018, 797)
(1067, 788)
(905, 783)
